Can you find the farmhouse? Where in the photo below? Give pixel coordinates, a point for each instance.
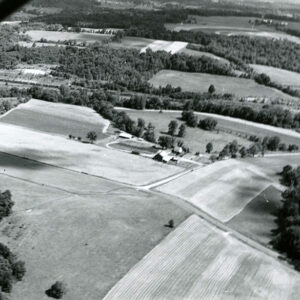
(178, 150)
(162, 156)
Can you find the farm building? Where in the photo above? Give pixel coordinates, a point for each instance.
(162, 156)
(178, 150)
(125, 135)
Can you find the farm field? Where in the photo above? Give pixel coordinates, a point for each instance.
(172, 47)
(57, 36)
(81, 157)
(198, 261)
(257, 219)
(222, 189)
(196, 139)
(57, 118)
(200, 82)
(272, 165)
(217, 22)
(74, 234)
(130, 145)
(132, 43)
(280, 76)
(201, 53)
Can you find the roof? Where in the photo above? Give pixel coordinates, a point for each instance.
(125, 135)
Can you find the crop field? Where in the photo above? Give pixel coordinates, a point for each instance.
(258, 218)
(83, 230)
(92, 159)
(196, 139)
(198, 261)
(221, 189)
(57, 118)
(280, 76)
(200, 82)
(172, 47)
(57, 36)
(133, 145)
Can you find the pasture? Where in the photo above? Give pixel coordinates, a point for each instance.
(83, 230)
(222, 189)
(82, 157)
(132, 43)
(200, 82)
(279, 76)
(258, 217)
(196, 139)
(171, 47)
(57, 118)
(198, 261)
(58, 36)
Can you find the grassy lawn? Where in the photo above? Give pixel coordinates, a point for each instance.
(195, 138)
(200, 82)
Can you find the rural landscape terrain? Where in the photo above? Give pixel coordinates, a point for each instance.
(150, 150)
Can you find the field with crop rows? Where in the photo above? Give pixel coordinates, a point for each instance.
(198, 261)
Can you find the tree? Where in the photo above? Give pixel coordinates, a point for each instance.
(209, 147)
(233, 147)
(166, 141)
(6, 204)
(92, 136)
(208, 124)
(141, 123)
(211, 89)
(253, 149)
(19, 269)
(182, 130)
(173, 125)
(190, 118)
(57, 290)
(273, 143)
(243, 152)
(149, 134)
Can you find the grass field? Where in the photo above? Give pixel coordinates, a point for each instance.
(200, 82)
(172, 47)
(92, 159)
(221, 189)
(132, 43)
(198, 261)
(257, 218)
(195, 138)
(57, 118)
(280, 76)
(57, 36)
(83, 230)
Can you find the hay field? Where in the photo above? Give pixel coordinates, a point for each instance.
(280, 76)
(221, 189)
(258, 218)
(57, 36)
(57, 118)
(74, 155)
(196, 139)
(88, 235)
(172, 47)
(132, 43)
(200, 82)
(198, 261)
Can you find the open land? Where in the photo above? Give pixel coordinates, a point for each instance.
(222, 189)
(57, 118)
(198, 261)
(200, 82)
(257, 219)
(279, 76)
(172, 47)
(81, 229)
(57, 36)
